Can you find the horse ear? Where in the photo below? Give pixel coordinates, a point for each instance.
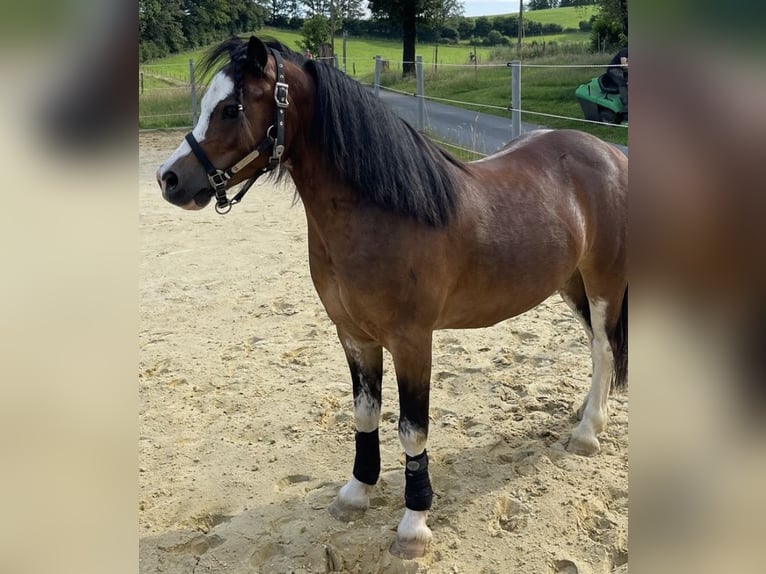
(257, 53)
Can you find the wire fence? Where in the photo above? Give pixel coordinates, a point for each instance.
(169, 96)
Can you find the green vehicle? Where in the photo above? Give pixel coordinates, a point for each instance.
(600, 100)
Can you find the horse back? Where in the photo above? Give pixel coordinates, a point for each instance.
(552, 176)
(530, 216)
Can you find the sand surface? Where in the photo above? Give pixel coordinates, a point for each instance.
(246, 426)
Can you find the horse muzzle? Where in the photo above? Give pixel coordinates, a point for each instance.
(200, 200)
(177, 194)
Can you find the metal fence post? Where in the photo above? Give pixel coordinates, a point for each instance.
(376, 84)
(193, 93)
(420, 93)
(515, 98)
(335, 60)
(345, 37)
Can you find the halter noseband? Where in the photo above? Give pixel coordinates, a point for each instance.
(219, 178)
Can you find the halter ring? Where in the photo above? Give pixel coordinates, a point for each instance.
(223, 209)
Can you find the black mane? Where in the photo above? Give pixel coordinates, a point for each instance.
(377, 153)
(372, 150)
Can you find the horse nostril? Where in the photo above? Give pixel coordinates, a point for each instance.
(171, 181)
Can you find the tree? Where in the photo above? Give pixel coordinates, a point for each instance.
(408, 13)
(336, 11)
(167, 26)
(465, 28)
(159, 28)
(610, 28)
(442, 12)
(246, 15)
(482, 27)
(616, 11)
(282, 11)
(205, 21)
(506, 25)
(438, 14)
(315, 31)
(316, 7)
(404, 12)
(342, 11)
(448, 35)
(540, 4)
(570, 3)
(495, 38)
(347, 10)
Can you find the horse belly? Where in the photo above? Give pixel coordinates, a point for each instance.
(489, 309)
(486, 295)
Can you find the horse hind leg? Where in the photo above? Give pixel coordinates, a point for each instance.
(573, 294)
(365, 360)
(608, 322)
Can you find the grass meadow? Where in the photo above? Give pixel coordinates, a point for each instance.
(569, 17)
(547, 90)
(164, 99)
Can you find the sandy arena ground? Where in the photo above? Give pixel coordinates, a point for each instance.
(246, 427)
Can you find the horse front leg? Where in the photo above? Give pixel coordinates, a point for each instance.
(365, 360)
(412, 360)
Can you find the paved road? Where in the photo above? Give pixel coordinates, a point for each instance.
(472, 130)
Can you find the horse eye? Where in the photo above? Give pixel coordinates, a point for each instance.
(230, 112)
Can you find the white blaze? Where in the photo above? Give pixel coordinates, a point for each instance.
(219, 89)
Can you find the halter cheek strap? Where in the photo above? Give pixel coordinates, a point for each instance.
(219, 178)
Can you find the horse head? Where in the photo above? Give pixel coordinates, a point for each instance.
(241, 130)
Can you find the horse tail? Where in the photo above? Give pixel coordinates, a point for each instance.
(619, 342)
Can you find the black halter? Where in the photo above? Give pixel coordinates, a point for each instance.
(219, 178)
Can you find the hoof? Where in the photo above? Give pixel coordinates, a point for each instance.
(344, 512)
(409, 549)
(583, 446)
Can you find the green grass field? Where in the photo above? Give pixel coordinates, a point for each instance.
(362, 51)
(564, 17)
(165, 79)
(360, 54)
(546, 90)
